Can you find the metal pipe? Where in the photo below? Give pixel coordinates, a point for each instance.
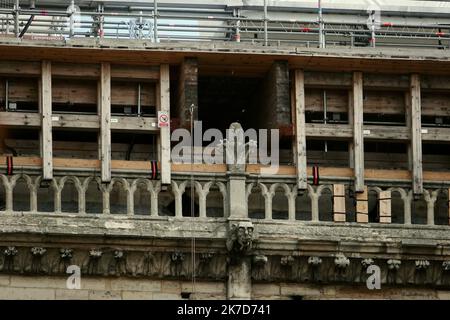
(7, 94)
(71, 21)
(325, 114)
(155, 21)
(321, 27)
(139, 100)
(16, 18)
(266, 37)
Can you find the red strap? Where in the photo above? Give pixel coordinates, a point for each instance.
(9, 165)
(315, 175)
(153, 170)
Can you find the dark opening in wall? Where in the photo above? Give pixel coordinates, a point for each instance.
(166, 201)
(385, 155)
(280, 206)
(2, 196)
(303, 209)
(69, 197)
(72, 144)
(373, 206)
(435, 156)
(350, 204)
(256, 203)
(441, 216)
(23, 142)
(132, 146)
(397, 207)
(224, 100)
(214, 202)
(94, 198)
(326, 205)
(189, 202)
(142, 199)
(419, 210)
(45, 198)
(21, 195)
(384, 119)
(436, 121)
(331, 153)
(118, 198)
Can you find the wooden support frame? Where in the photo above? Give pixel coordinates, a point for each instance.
(362, 206)
(358, 137)
(300, 129)
(339, 212)
(416, 134)
(163, 104)
(104, 110)
(45, 109)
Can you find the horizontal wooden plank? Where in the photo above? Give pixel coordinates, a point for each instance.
(75, 70)
(146, 73)
(331, 131)
(75, 121)
(19, 68)
(19, 119)
(373, 174)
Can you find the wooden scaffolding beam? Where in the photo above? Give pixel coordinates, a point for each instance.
(300, 129)
(358, 138)
(416, 134)
(45, 108)
(104, 109)
(163, 99)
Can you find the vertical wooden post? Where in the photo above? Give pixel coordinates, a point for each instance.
(45, 108)
(339, 203)
(164, 105)
(358, 138)
(408, 126)
(362, 206)
(351, 149)
(385, 207)
(449, 207)
(416, 134)
(104, 109)
(300, 133)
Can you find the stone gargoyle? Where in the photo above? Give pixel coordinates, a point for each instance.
(240, 238)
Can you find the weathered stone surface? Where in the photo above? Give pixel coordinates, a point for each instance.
(104, 295)
(135, 285)
(66, 294)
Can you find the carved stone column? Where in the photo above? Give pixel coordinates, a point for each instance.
(237, 197)
(239, 245)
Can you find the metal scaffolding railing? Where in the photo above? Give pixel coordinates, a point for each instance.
(167, 23)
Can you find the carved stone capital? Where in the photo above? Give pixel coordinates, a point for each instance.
(10, 251)
(367, 262)
(394, 264)
(66, 253)
(314, 261)
(341, 261)
(38, 251)
(95, 253)
(422, 264)
(287, 261)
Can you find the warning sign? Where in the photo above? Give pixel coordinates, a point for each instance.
(163, 119)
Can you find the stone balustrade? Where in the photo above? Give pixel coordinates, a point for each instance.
(264, 200)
